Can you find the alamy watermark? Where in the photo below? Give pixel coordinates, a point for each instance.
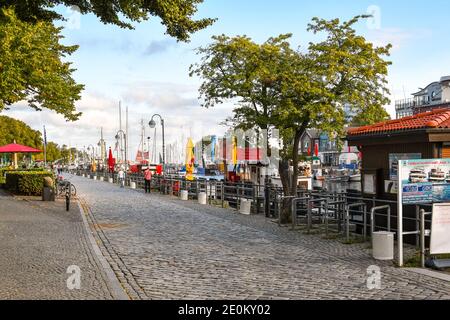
(374, 22)
(73, 21)
(74, 280)
(373, 278)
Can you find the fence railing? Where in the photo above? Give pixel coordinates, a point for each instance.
(342, 213)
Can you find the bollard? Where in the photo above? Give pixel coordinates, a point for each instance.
(184, 195)
(111, 180)
(95, 177)
(202, 199)
(133, 185)
(101, 179)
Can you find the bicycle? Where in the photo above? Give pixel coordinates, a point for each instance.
(61, 188)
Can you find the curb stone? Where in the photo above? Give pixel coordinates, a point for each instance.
(114, 285)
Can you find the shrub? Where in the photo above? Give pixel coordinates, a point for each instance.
(28, 183)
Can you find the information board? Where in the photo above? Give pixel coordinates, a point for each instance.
(425, 181)
(440, 229)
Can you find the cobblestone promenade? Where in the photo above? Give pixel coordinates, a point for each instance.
(163, 248)
(38, 242)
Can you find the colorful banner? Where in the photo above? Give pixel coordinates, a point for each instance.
(425, 181)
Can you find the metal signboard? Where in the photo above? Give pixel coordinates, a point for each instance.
(425, 181)
(440, 229)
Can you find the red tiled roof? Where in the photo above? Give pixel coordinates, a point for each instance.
(439, 118)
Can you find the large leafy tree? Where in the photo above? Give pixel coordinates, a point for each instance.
(16, 130)
(32, 59)
(274, 85)
(176, 15)
(32, 67)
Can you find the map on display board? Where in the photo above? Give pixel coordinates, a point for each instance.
(425, 181)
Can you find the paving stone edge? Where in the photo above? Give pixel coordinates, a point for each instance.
(114, 285)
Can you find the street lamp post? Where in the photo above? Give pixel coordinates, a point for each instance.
(148, 151)
(152, 125)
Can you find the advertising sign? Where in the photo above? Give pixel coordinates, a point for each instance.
(425, 181)
(440, 229)
(393, 162)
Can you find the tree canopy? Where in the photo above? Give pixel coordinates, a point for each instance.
(16, 130)
(176, 15)
(32, 67)
(274, 85)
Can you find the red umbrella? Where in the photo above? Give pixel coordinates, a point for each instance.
(111, 161)
(316, 149)
(17, 148)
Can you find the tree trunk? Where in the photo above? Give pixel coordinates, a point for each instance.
(285, 211)
(290, 186)
(295, 148)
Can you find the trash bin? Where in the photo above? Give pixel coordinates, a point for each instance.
(245, 206)
(48, 194)
(184, 195)
(202, 198)
(383, 245)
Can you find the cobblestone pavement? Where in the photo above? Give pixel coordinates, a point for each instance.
(38, 242)
(163, 248)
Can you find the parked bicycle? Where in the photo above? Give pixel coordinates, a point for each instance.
(61, 188)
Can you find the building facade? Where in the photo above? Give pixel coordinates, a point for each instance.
(434, 96)
(332, 153)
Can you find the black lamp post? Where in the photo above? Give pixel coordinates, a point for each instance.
(152, 125)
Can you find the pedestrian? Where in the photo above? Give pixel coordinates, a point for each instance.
(148, 180)
(121, 178)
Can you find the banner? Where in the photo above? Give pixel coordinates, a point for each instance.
(425, 181)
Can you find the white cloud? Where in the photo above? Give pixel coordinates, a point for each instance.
(177, 103)
(396, 36)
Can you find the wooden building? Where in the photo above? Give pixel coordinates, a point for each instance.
(421, 136)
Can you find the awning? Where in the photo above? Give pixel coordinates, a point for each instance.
(17, 148)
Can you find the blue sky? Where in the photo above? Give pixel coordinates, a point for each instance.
(148, 71)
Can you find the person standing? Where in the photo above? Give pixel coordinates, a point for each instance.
(148, 180)
(121, 175)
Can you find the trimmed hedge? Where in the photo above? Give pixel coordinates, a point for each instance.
(28, 183)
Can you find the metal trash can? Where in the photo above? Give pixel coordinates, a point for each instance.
(202, 198)
(383, 245)
(245, 206)
(184, 195)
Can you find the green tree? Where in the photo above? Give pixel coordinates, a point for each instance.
(274, 85)
(16, 130)
(53, 152)
(31, 66)
(176, 15)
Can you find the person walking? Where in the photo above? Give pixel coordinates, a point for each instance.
(148, 180)
(121, 175)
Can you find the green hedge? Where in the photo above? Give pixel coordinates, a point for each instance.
(28, 183)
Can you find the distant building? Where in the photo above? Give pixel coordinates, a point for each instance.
(435, 96)
(329, 152)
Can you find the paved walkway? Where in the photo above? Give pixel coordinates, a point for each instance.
(163, 248)
(38, 242)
